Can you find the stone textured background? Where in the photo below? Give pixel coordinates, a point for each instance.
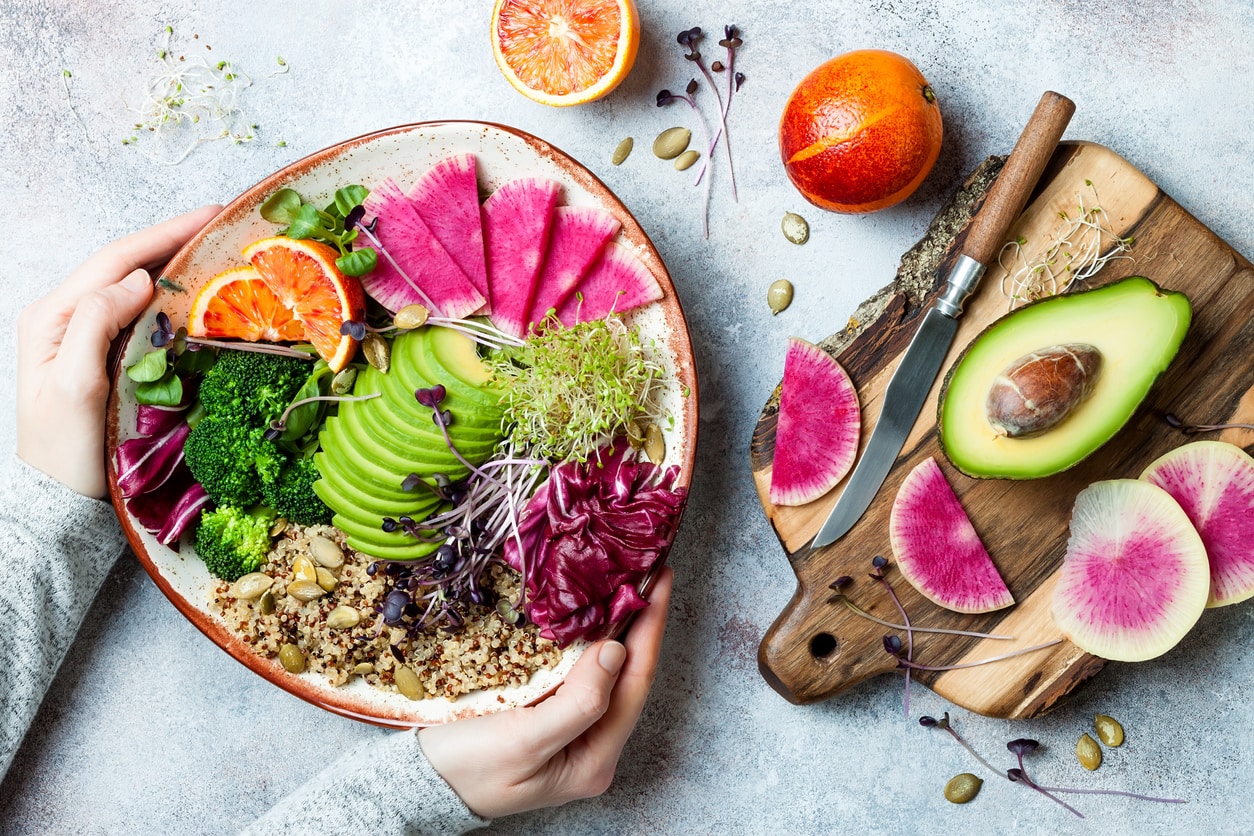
(150, 728)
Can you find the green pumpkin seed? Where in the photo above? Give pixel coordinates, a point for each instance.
(1088, 752)
(305, 590)
(250, 586)
(795, 228)
(326, 552)
(363, 668)
(779, 296)
(408, 684)
(377, 351)
(343, 381)
(343, 617)
(685, 160)
(1108, 730)
(671, 142)
(622, 151)
(290, 657)
(267, 602)
(962, 788)
(655, 444)
(411, 316)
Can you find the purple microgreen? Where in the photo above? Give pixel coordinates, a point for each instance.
(278, 425)
(1021, 746)
(840, 583)
(1019, 776)
(1138, 796)
(943, 723)
(354, 217)
(881, 563)
(740, 80)
(353, 328)
(665, 97)
(904, 663)
(1191, 429)
(717, 66)
(164, 334)
(892, 644)
(430, 397)
(856, 610)
(370, 230)
(731, 41)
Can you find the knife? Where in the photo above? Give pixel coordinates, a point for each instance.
(911, 382)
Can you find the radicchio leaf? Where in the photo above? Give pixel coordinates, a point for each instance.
(147, 462)
(184, 514)
(589, 536)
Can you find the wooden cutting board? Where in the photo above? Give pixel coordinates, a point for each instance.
(817, 648)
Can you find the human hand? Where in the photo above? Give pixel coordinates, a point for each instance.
(565, 747)
(63, 342)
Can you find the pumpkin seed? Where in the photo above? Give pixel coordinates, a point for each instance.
(411, 316)
(795, 228)
(363, 668)
(779, 296)
(671, 142)
(1108, 730)
(1089, 753)
(304, 569)
(343, 381)
(377, 351)
(305, 590)
(325, 579)
(278, 526)
(250, 586)
(326, 552)
(685, 160)
(290, 657)
(635, 434)
(343, 617)
(407, 683)
(622, 151)
(654, 444)
(962, 788)
(267, 602)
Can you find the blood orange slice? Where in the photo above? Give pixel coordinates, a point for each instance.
(238, 303)
(565, 52)
(303, 275)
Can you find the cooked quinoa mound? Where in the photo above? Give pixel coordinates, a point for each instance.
(487, 652)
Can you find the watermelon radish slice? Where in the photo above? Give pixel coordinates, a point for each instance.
(816, 435)
(1214, 483)
(447, 200)
(516, 223)
(416, 268)
(1135, 577)
(617, 282)
(578, 236)
(937, 548)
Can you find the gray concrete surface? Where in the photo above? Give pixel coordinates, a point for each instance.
(149, 728)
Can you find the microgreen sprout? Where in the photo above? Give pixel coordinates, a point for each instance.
(1193, 429)
(731, 42)
(665, 97)
(943, 723)
(165, 335)
(66, 75)
(910, 665)
(879, 563)
(1075, 253)
(689, 39)
(841, 598)
(278, 425)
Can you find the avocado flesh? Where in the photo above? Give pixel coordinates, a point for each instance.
(1136, 326)
(427, 357)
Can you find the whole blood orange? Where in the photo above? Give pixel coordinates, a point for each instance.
(860, 132)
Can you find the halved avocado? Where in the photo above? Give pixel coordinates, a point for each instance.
(1135, 325)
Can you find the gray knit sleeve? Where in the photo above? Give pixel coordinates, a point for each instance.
(56, 547)
(384, 786)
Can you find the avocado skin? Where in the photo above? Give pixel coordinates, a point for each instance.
(1108, 313)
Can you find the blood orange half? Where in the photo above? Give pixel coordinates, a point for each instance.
(238, 303)
(303, 275)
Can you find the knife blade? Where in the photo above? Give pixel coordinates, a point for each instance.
(912, 380)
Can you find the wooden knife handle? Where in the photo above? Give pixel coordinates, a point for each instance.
(987, 233)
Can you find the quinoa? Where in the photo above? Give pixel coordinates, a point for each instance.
(487, 652)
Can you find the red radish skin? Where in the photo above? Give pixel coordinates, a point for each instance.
(618, 282)
(819, 423)
(447, 200)
(578, 237)
(517, 218)
(422, 259)
(937, 548)
(1214, 483)
(1135, 578)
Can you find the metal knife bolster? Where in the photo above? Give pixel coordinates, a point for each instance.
(961, 282)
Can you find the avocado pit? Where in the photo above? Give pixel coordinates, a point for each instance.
(1040, 389)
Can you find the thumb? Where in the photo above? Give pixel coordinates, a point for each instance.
(578, 703)
(98, 317)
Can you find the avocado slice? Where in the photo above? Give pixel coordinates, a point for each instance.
(472, 421)
(1135, 325)
(348, 492)
(439, 355)
(410, 426)
(381, 544)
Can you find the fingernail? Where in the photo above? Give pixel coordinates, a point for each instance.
(137, 281)
(611, 657)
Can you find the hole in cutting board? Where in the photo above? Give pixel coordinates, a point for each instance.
(823, 645)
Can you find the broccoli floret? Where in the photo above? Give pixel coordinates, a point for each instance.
(251, 387)
(292, 495)
(232, 461)
(233, 541)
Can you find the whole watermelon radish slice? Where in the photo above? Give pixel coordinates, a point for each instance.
(1135, 578)
(616, 283)
(447, 200)
(414, 267)
(578, 236)
(1214, 483)
(937, 548)
(517, 218)
(816, 434)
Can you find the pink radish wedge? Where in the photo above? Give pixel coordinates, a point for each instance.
(1214, 483)
(618, 282)
(578, 236)
(447, 200)
(816, 434)
(1134, 579)
(414, 267)
(517, 218)
(937, 548)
